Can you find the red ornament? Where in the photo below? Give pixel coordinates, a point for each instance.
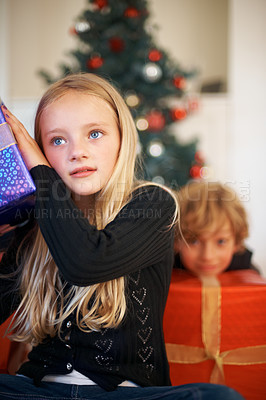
(131, 12)
(178, 113)
(179, 82)
(100, 3)
(72, 30)
(195, 171)
(155, 55)
(116, 44)
(199, 157)
(155, 120)
(193, 104)
(95, 62)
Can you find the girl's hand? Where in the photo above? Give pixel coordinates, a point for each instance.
(30, 151)
(6, 228)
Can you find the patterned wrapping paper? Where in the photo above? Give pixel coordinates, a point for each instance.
(216, 331)
(16, 184)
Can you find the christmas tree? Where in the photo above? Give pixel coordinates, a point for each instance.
(115, 40)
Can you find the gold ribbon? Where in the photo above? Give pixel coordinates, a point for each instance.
(211, 334)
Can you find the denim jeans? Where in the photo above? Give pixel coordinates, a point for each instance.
(17, 387)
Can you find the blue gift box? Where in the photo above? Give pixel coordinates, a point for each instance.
(16, 185)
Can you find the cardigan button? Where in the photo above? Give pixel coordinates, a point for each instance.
(69, 323)
(69, 366)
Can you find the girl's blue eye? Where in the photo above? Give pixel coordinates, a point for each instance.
(58, 141)
(95, 135)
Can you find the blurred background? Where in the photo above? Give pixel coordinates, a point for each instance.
(223, 39)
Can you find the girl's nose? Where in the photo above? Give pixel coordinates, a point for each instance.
(78, 151)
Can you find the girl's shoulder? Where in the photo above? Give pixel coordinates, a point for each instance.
(152, 199)
(152, 192)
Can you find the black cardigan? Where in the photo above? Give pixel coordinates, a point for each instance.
(137, 244)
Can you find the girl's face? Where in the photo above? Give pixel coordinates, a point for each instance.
(81, 141)
(210, 253)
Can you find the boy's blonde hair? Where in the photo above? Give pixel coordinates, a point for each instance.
(203, 204)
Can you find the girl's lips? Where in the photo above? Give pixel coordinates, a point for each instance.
(82, 172)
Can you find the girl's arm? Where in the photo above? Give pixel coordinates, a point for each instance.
(138, 237)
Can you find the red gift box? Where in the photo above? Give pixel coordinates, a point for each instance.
(215, 331)
(12, 354)
(5, 346)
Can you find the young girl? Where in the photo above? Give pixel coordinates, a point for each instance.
(88, 275)
(214, 224)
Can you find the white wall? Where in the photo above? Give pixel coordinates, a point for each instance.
(195, 32)
(38, 36)
(247, 85)
(4, 72)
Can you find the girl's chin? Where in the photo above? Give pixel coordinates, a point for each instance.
(82, 192)
(80, 195)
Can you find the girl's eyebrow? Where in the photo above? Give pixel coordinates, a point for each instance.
(52, 131)
(89, 125)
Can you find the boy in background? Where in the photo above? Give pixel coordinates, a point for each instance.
(213, 227)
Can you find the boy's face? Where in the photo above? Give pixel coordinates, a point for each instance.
(210, 253)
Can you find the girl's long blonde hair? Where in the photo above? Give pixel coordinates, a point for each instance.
(46, 301)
